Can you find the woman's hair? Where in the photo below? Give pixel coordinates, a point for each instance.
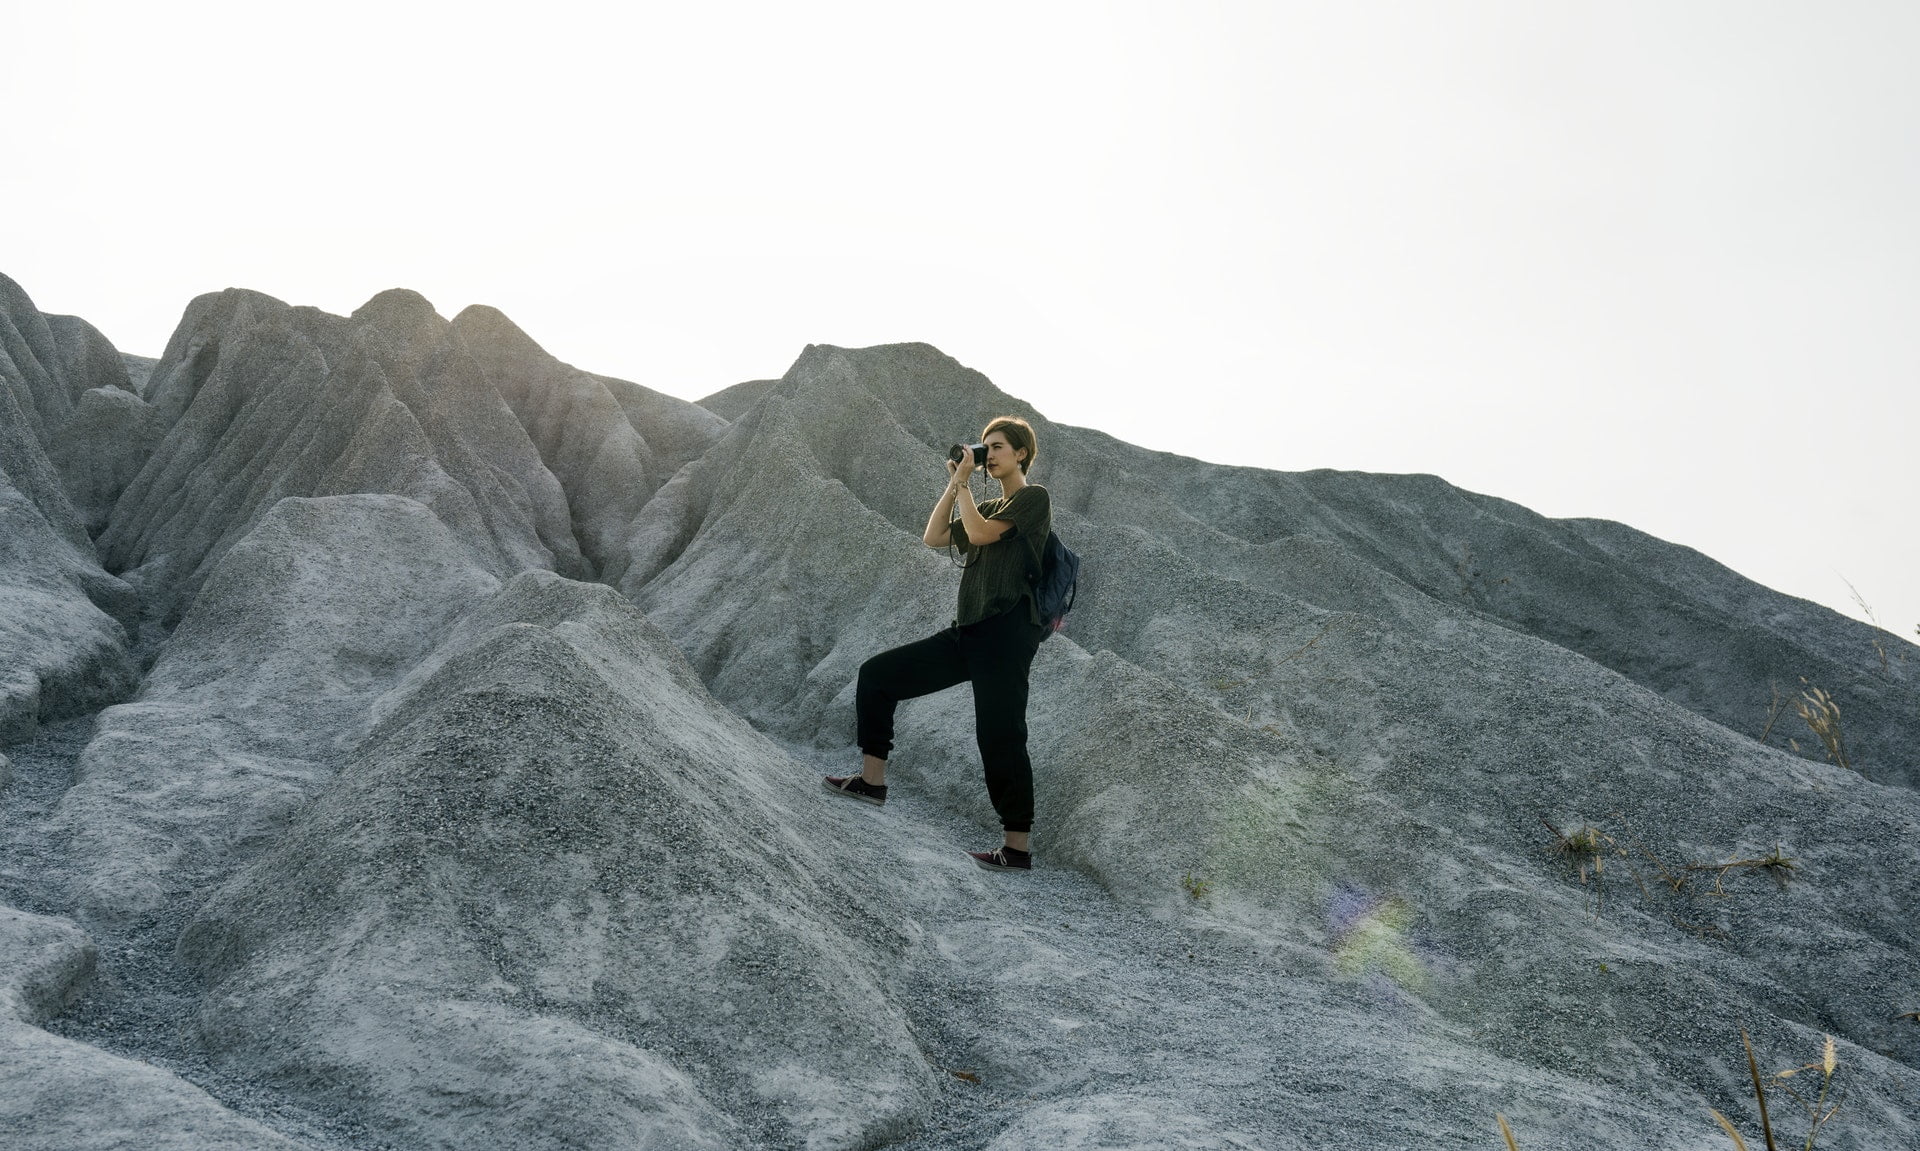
(1019, 435)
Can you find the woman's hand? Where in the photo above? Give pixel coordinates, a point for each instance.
(938, 533)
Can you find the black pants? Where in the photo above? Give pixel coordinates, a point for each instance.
(995, 654)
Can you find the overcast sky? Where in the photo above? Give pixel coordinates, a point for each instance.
(1658, 262)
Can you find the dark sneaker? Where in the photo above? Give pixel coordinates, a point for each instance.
(853, 787)
(1003, 859)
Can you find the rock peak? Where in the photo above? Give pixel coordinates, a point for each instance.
(485, 326)
(398, 309)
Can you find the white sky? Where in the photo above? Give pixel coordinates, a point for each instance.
(1657, 262)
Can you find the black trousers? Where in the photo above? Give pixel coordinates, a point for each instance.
(995, 655)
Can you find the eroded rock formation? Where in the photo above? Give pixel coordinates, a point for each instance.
(468, 796)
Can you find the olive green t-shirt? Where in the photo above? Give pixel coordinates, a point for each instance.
(1003, 572)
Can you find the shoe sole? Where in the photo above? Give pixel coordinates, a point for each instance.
(853, 795)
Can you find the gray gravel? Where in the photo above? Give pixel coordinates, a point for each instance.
(408, 838)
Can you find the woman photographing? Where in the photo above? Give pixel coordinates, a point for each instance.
(991, 643)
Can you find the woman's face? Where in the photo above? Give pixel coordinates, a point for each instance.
(1001, 456)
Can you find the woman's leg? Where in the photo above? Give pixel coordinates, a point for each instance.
(901, 673)
(1000, 655)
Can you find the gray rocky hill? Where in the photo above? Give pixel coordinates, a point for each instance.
(409, 740)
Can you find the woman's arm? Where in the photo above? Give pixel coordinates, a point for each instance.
(981, 531)
(937, 534)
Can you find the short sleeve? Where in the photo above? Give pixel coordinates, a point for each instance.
(1029, 510)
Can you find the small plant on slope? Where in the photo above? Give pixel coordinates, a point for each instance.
(1586, 847)
(1873, 619)
(1774, 710)
(1822, 715)
(1667, 889)
(1780, 867)
(1819, 1110)
(1506, 1132)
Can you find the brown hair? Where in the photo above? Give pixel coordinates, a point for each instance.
(1019, 435)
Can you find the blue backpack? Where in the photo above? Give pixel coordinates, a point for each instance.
(1059, 582)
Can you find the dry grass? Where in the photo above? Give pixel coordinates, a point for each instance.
(1733, 1133)
(1872, 618)
(1586, 847)
(1759, 1092)
(1822, 715)
(1820, 1110)
(1775, 864)
(1775, 710)
(1664, 888)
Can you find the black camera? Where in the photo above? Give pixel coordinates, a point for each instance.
(958, 454)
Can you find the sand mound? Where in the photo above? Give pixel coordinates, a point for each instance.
(550, 902)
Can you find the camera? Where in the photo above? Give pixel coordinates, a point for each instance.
(958, 454)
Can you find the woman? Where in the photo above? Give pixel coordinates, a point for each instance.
(990, 644)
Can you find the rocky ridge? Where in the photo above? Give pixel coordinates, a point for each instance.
(467, 796)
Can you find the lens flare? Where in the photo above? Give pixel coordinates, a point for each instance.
(1370, 938)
